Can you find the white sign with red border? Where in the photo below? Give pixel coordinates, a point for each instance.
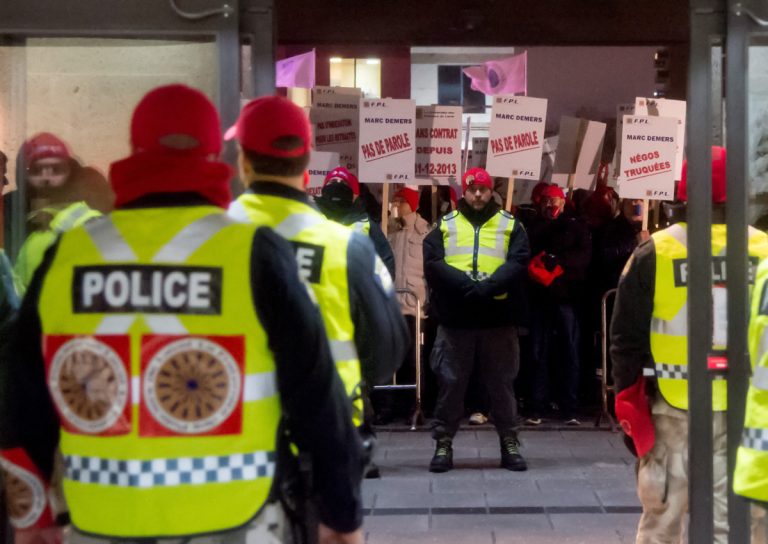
(516, 136)
(387, 147)
(335, 114)
(320, 163)
(648, 158)
(438, 144)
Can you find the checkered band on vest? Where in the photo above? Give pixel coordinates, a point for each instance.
(671, 372)
(756, 439)
(170, 472)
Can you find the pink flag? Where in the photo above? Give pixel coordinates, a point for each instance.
(298, 71)
(502, 76)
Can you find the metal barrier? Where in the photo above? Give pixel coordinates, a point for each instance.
(605, 387)
(417, 417)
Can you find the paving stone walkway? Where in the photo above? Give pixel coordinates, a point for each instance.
(579, 488)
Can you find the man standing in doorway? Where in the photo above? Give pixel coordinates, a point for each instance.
(475, 265)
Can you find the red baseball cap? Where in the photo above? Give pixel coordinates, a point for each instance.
(176, 120)
(44, 146)
(341, 174)
(411, 196)
(552, 191)
(476, 176)
(176, 140)
(718, 177)
(272, 126)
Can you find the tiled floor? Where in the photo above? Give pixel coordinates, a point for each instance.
(579, 488)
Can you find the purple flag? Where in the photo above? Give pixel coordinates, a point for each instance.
(502, 76)
(298, 71)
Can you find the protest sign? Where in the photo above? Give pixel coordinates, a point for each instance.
(336, 116)
(320, 163)
(387, 150)
(438, 144)
(516, 136)
(479, 155)
(648, 158)
(663, 107)
(615, 168)
(579, 147)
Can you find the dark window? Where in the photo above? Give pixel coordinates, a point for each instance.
(453, 89)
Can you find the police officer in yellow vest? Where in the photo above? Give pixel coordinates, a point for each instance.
(475, 267)
(353, 288)
(60, 194)
(649, 335)
(750, 478)
(340, 201)
(172, 354)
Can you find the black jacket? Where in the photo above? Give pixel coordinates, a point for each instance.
(312, 396)
(459, 302)
(612, 245)
(568, 240)
(352, 213)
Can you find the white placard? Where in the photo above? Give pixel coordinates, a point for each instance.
(522, 192)
(438, 144)
(320, 163)
(516, 136)
(648, 158)
(663, 107)
(479, 155)
(336, 116)
(615, 166)
(387, 150)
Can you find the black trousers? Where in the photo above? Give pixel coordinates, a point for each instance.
(496, 355)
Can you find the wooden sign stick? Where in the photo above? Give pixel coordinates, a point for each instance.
(385, 208)
(646, 212)
(510, 191)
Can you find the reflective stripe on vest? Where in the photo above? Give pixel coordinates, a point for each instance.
(302, 224)
(153, 473)
(477, 251)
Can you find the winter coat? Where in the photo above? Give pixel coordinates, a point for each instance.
(406, 235)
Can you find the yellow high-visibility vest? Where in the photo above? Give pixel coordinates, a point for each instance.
(669, 323)
(321, 253)
(750, 479)
(161, 373)
(477, 251)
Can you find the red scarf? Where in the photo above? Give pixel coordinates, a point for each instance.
(147, 173)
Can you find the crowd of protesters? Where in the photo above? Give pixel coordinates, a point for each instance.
(579, 244)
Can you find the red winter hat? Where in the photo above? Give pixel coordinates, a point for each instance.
(476, 176)
(176, 141)
(341, 174)
(411, 196)
(634, 416)
(44, 146)
(272, 126)
(718, 177)
(552, 191)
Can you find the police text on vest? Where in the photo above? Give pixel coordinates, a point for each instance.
(147, 289)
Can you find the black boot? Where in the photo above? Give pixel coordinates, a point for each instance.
(510, 453)
(442, 461)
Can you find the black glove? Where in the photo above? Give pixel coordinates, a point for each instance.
(550, 261)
